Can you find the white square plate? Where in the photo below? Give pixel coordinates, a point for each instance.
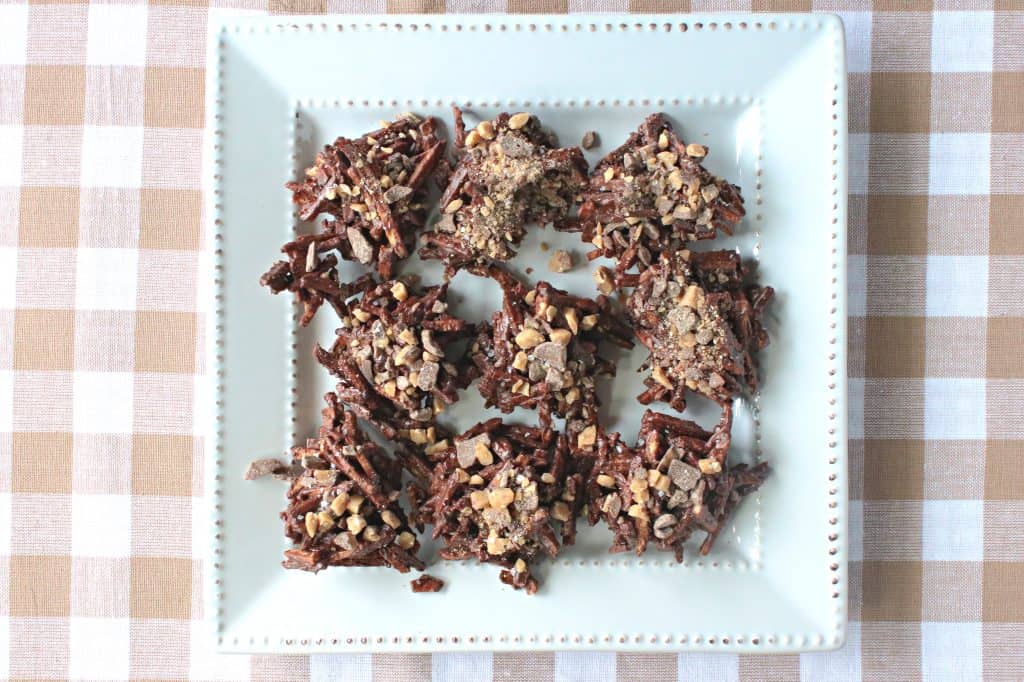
(767, 94)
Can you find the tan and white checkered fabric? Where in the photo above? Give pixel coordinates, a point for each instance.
(101, 121)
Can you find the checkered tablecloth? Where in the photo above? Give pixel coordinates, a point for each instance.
(101, 359)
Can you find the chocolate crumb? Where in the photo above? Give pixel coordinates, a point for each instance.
(544, 246)
(590, 140)
(426, 583)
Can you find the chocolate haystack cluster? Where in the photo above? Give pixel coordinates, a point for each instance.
(676, 481)
(540, 349)
(509, 173)
(504, 494)
(375, 188)
(652, 195)
(390, 359)
(343, 505)
(701, 324)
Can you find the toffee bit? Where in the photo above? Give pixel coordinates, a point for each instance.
(537, 352)
(652, 196)
(658, 493)
(509, 173)
(701, 325)
(343, 501)
(427, 583)
(374, 189)
(511, 508)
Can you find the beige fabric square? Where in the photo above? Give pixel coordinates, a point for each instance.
(1007, 27)
(56, 33)
(40, 586)
(1004, 236)
(1005, 350)
(114, 95)
(653, 6)
(901, 40)
(952, 347)
(174, 97)
(856, 448)
(778, 668)
(403, 668)
(781, 5)
(954, 469)
(1005, 273)
(895, 347)
(367, 6)
(102, 463)
(99, 587)
(894, 408)
(892, 528)
(104, 340)
(890, 651)
(898, 163)
(859, 102)
(171, 219)
(160, 649)
(12, 94)
(898, 224)
(1002, 532)
(296, 668)
(54, 95)
(892, 591)
(719, 5)
(1007, 163)
(50, 266)
(958, 224)
(172, 158)
(59, 164)
(1002, 650)
(48, 217)
(320, 6)
(7, 339)
(637, 667)
(962, 102)
(162, 528)
(893, 469)
(176, 36)
(165, 342)
(161, 588)
(896, 285)
(514, 6)
(41, 462)
(35, 533)
(167, 280)
(109, 217)
(163, 403)
(900, 102)
(42, 648)
(42, 401)
(162, 464)
(44, 339)
(507, 667)
(1003, 601)
(1004, 470)
(952, 591)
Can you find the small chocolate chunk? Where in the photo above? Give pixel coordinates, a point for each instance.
(427, 583)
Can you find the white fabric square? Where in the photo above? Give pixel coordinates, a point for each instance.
(957, 286)
(10, 153)
(99, 648)
(856, 530)
(5, 527)
(112, 156)
(102, 402)
(954, 409)
(105, 279)
(206, 664)
(101, 525)
(858, 40)
(117, 35)
(842, 665)
(14, 20)
(958, 163)
(8, 275)
(6, 401)
(951, 651)
(470, 667)
(855, 394)
(355, 667)
(859, 151)
(5, 648)
(962, 41)
(953, 530)
(857, 286)
(708, 667)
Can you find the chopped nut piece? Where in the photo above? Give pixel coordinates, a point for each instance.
(560, 261)
(709, 466)
(517, 121)
(483, 454)
(501, 497)
(406, 540)
(605, 481)
(399, 291)
(528, 338)
(587, 437)
(561, 336)
(479, 499)
(354, 503)
(658, 374)
(390, 518)
(560, 511)
(312, 524)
